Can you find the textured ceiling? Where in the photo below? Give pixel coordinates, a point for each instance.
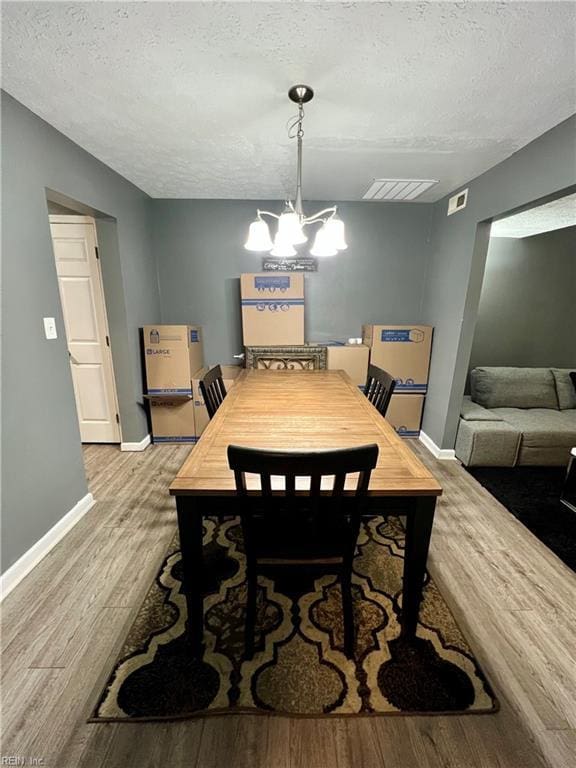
(189, 99)
(555, 215)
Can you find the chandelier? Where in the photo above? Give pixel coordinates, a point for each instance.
(329, 238)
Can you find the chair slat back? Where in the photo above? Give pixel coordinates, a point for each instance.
(313, 464)
(213, 390)
(379, 388)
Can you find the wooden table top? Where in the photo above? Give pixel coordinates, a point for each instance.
(300, 410)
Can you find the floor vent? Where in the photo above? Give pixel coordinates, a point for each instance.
(397, 189)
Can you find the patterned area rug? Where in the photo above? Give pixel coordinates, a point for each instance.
(299, 667)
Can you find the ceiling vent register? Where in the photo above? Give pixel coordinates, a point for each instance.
(397, 189)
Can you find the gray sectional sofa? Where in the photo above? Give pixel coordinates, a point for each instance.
(517, 416)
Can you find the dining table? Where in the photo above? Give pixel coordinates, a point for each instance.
(303, 410)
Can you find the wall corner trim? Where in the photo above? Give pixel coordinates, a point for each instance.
(141, 446)
(444, 454)
(30, 559)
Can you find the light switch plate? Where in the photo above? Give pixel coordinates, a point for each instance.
(50, 328)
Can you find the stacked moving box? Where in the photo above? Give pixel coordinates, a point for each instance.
(352, 358)
(174, 358)
(272, 309)
(172, 353)
(403, 351)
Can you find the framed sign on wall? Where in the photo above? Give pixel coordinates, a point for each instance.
(296, 264)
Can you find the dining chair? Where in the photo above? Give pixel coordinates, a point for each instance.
(294, 527)
(379, 388)
(213, 390)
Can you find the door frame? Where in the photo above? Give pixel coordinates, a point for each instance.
(58, 218)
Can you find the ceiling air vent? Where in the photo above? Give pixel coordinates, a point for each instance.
(397, 189)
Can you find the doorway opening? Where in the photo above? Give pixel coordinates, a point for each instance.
(525, 315)
(77, 258)
(517, 428)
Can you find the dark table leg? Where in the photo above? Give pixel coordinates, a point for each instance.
(190, 529)
(418, 530)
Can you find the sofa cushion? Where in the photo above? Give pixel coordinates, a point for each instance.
(542, 427)
(471, 411)
(499, 387)
(565, 388)
(543, 457)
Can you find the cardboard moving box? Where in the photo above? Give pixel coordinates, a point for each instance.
(403, 351)
(201, 419)
(183, 419)
(405, 414)
(172, 354)
(173, 420)
(272, 309)
(352, 358)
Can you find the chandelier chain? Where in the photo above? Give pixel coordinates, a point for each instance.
(294, 126)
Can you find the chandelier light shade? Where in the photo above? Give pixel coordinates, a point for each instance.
(323, 243)
(330, 235)
(282, 248)
(334, 232)
(290, 228)
(258, 236)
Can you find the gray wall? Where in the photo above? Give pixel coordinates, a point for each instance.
(59, 209)
(42, 471)
(199, 249)
(527, 311)
(546, 166)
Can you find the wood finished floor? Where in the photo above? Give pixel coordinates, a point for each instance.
(64, 624)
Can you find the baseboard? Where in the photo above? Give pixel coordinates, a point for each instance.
(141, 446)
(38, 551)
(445, 454)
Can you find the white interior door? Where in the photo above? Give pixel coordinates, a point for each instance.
(84, 310)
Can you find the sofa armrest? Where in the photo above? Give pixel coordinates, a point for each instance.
(471, 411)
(487, 443)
